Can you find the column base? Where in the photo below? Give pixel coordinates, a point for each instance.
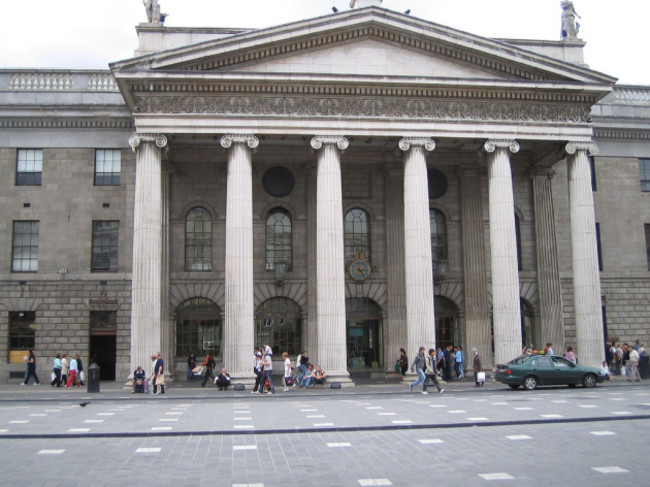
(343, 379)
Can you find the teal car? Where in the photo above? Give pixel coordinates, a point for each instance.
(531, 371)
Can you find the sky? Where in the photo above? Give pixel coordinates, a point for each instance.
(93, 33)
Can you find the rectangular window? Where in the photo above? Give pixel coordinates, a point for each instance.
(29, 167)
(105, 246)
(598, 248)
(24, 251)
(108, 167)
(103, 322)
(644, 172)
(22, 330)
(647, 243)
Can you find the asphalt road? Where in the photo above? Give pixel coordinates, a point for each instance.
(375, 434)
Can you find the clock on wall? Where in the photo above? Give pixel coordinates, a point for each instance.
(359, 268)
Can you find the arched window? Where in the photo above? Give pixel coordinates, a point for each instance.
(278, 322)
(278, 240)
(198, 328)
(518, 235)
(198, 240)
(438, 241)
(357, 234)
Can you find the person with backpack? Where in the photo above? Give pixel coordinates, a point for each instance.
(209, 369)
(430, 373)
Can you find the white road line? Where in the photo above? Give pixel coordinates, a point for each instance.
(496, 476)
(603, 433)
(51, 452)
(431, 441)
(343, 444)
(519, 437)
(148, 450)
(612, 469)
(244, 447)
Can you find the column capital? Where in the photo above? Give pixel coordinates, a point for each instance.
(590, 147)
(137, 138)
(407, 142)
(317, 142)
(229, 139)
(493, 144)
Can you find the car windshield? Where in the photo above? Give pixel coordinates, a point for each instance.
(520, 360)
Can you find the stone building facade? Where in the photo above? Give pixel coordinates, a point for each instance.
(347, 185)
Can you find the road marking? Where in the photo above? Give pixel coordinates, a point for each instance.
(343, 444)
(457, 411)
(477, 419)
(94, 421)
(244, 447)
(318, 425)
(105, 414)
(148, 450)
(38, 415)
(602, 433)
(374, 482)
(500, 404)
(560, 401)
(549, 416)
(587, 406)
(437, 405)
(621, 413)
(386, 414)
(402, 421)
(168, 420)
(78, 430)
(524, 409)
(519, 437)
(174, 413)
(370, 408)
(613, 469)
(51, 452)
(243, 427)
(243, 418)
(431, 441)
(18, 422)
(161, 428)
(313, 410)
(315, 416)
(247, 485)
(496, 476)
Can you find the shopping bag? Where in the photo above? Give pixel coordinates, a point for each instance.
(480, 377)
(198, 370)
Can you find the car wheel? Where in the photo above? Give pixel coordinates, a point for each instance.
(530, 383)
(590, 380)
(514, 386)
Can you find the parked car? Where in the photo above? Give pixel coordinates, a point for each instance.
(531, 371)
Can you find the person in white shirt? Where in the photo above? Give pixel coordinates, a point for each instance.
(287, 370)
(633, 366)
(72, 368)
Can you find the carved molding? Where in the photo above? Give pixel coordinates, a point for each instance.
(573, 147)
(250, 140)
(379, 108)
(406, 143)
(493, 144)
(136, 139)
(60, 123)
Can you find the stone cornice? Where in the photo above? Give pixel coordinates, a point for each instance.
(627, 134)
(67, 123)
(376, 108)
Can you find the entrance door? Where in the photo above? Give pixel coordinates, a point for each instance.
(103, 343)
(364, 334)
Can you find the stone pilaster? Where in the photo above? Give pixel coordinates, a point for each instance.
(309, 334)
(548, 270)
(146, 299)
(506, 311)
(420, 318)
(395, 320)
(167, 325)
(239, 326)
(586, 277)
(330, 264)
(477, 305)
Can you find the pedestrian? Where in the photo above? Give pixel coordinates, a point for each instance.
(449, 364)
(418, 365)
(626, 359)
(64, 368)
(139, 378)
(604, 368)
(306, 379)
(209, 369)
(267, 374)
(31, 369)
(153, 373)
(549, 349)
(223, 380)
(402, 362)
(191, 364)
(476, 367)
(287, 371)
(430, 373)
(459, 358)
(644, 363)
(302, 365)
(159, 375)
(72, 368)
(258, 368)
(81, 375)
(633, 366)
(319, 377)
(57, 371)
(569, 355)
(619, 359)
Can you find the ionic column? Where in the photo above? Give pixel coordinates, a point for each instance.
(309, 335)
(506, 311)
(330, 264)
(239, 327)
(548, 270)
(420, 318)
(477, 306)
(586, 278)
(146, 278)
(394, 202)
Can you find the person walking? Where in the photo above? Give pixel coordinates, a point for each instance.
(258, 368)
(430, 373)
(81, 375)
(57, 371)
(209, 369)
(418, 365)
(459, 358)
(64, 368)
(159, 375)
(31, 369)
(287, 371)
(476, 367)
(191, 363)
(268, 370)
(73, 373)
(633, 366)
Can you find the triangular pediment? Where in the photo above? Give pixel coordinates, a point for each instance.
(369, 41)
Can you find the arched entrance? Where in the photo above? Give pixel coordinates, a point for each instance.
(447, 332)
(363, 324)
(278, 322)
(198, 328)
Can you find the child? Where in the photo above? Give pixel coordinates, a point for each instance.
(604, 368)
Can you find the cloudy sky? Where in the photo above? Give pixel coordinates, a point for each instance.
(92, 33)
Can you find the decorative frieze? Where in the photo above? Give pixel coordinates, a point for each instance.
(380, 108)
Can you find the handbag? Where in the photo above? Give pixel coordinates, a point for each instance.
(160, 380)
(480, 377)
(198, 370)
(397, 367)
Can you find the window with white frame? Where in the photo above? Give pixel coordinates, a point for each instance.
(29, 167)
(24, 251)
(108, 167)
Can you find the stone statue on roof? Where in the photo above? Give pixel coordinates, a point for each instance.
(570, 27)
(153, 12)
